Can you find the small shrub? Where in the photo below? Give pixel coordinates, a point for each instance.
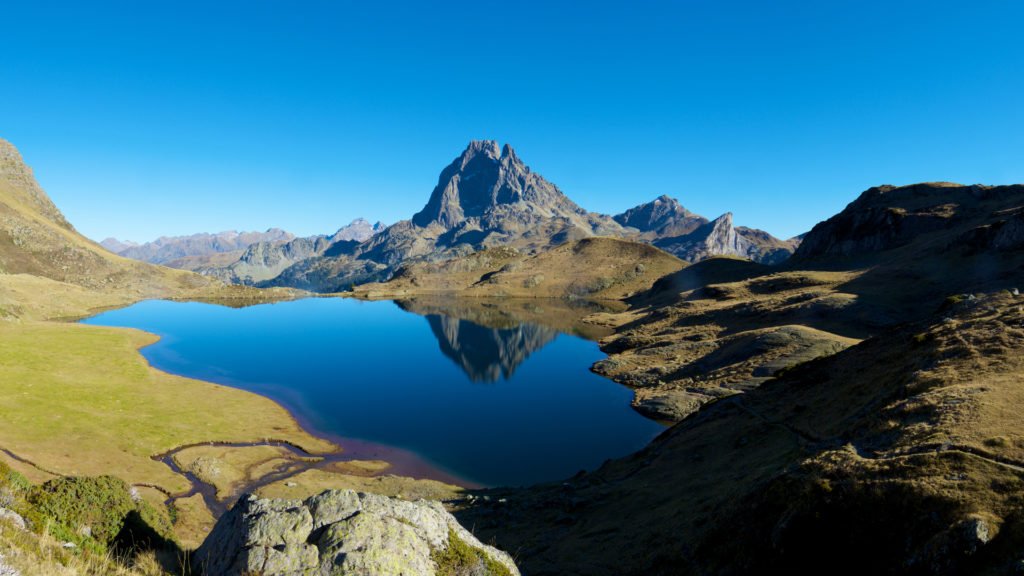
(461, 559)
(952, 301)
(97, 514)
(89, 512)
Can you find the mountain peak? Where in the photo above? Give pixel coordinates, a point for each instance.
(358, 230)
(664, 216)
(484, 177)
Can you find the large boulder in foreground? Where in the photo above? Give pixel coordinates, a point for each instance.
(345, 532)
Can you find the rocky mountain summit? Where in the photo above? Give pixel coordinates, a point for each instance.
(344, 532)
(662, 217)
(358, 230)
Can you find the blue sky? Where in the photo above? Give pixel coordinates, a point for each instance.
(150, 118)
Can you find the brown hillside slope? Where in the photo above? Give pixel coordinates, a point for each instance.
(894, 255)
(592, 268)
(48, 270)
(902, 454)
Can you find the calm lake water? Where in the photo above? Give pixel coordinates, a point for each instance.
(474, 390)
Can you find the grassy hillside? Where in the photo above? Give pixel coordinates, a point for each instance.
(902, 454)
(80, 401)
(592, 268)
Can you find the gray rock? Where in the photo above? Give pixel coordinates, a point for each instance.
(12, 517)
(673, 405)
(6, 570)
(336, 532)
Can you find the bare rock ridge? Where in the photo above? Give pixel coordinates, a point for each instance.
(485, 178)
(264, 261)
(888, 217)
(359, 230)
(662, 217)
(344, 532)
(168, 248)
(720, 238)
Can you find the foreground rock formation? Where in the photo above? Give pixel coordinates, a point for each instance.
(344, 532)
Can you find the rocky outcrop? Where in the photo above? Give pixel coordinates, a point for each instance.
(886, 217)
(13, 518)
(720, 238)
(660, 218)
(168, 248)
(265, 260)
(344, 532)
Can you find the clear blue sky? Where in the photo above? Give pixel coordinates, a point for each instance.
(151, 118)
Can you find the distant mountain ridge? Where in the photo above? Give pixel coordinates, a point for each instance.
(264, 261)
(168, 248)
(487, 197)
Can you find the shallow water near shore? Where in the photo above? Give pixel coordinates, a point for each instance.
(491, 394)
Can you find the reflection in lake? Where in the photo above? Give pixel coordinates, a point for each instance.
(486, 354)
(407, 376)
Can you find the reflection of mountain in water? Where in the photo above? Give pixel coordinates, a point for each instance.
(486, 354)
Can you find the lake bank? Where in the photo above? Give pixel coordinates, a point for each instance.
(82, 400)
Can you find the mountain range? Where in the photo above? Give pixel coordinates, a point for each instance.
(488, 198)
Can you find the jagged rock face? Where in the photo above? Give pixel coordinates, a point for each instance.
(14, 171)
(338, 532)
(720, 238)
(359, 230)
(265, 260)
(887, 217)
(664, 216)
(485, 177)
(487, 354)
(168, 248)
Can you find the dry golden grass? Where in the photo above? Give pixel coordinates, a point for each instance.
(42, 555)
(592, 268)
(900, 449)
